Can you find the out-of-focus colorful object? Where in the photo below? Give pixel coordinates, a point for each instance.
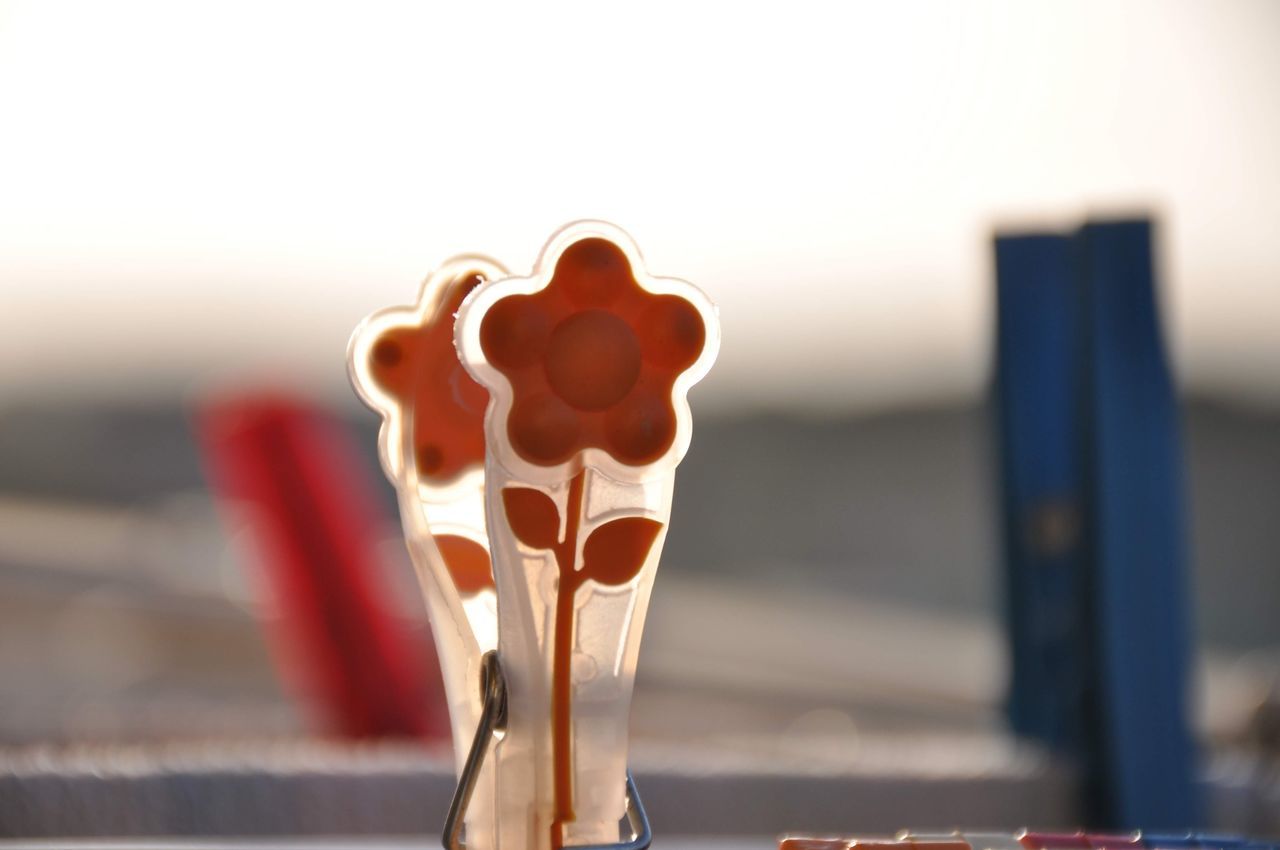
(1038, 387)
(404, 365)
(293, 475)
(1026, 841)
(1094, 533)
(587, 361)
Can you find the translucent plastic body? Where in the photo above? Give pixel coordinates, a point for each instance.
(587, 362)
(404, 365)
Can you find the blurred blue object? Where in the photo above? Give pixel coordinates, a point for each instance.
(1038, 352)
(1177, 841)
(1136, 537)
(1093, 515)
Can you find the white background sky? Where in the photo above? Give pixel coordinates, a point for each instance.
(204, 191)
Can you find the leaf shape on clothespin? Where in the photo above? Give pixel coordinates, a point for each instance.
(468, 563)
(615, 552)
(532, 516)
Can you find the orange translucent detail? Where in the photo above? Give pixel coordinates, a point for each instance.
(793, 843)
(468, 563)
(418, 366)
(592, 359)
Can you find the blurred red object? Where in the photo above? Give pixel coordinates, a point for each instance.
(313, 515)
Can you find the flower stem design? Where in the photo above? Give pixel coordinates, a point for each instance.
(613, 555)
(562, 658)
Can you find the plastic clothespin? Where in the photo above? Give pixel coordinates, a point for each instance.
(934, 840)
(1039, 351)
(1025, 840)
(1135, 528)
(587, 361)
(403, 364)
(1118, 841)
(812, 842)
(1055, 841)
(1094, 521)
(1173, 841)
(993, 840)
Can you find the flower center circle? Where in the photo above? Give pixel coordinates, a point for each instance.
(593, 360)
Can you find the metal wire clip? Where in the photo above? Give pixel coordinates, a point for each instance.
(493, 720)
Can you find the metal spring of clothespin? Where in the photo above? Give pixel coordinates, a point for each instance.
(493, 721)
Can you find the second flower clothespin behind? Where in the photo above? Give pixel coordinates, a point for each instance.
(404, 365)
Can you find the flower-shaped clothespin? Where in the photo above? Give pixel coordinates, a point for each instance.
(404, 365)
(587, 362)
